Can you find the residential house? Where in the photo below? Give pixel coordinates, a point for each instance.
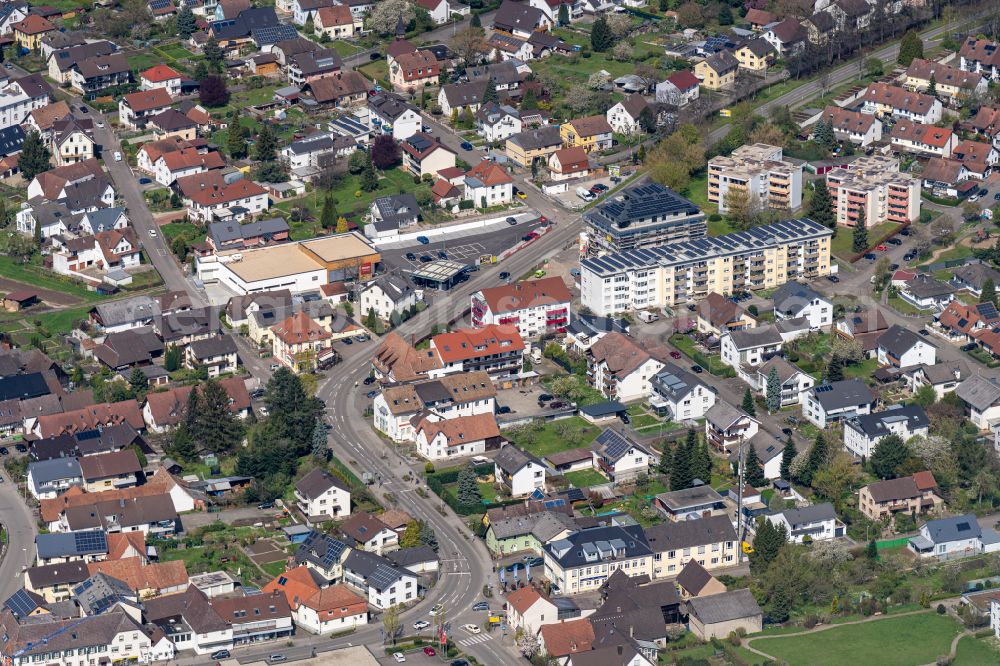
(234, 236)
(396, 361)
(569, 163)
(794, 299)
(176, 164)
(311, 66)
(492, 348)
(862, 129)
(109, 471)
(71, 141)
(457, 437)
(135, 109)
(710, 541)
(817, 522)
(343, 90)
(717, 314)
(389, 296)
(943, 377)
(448, 397)
(962, 323)
(690, 503)
(495, 122)
(926, 293)
(384, 584)
(99, 73)
(217, 355)
(410, 72)
(28, 33)
(900, 348)
(958, 536)
(760, 172)
(562, 640)
(529, 610)
(981, 396)
(719, 615)
(536, 307)
(889, 100)
(424, 154)
(759, 18)
(718, 71)
(680, 395)
(461, 98)
(337, 22)
(913, 495)
(319, 610)
(619, 458)
(602, 550)
(323, 554)
(174, 123)
(695, 581)
(755, 56)
(622, 368)
(527, 146)
(161, 76)
(528, 528)
(769, 454)
(210, 197)
(520, 20)
(679, 89)
(321, 496)
(745, 349)
(952, 83)
(908, 136)
(488, 184)
(519, 473)
(389, 114)
(980, 56)
(837, 401)
(726, 426)
(111, 635)
(787, 37)
(971, 277)
(624, 117)
(49, 478)
(793, 381)
(62, 62)
(164, 410)
(300, 343)
(366, 532)
(392, 213)
(590, 133)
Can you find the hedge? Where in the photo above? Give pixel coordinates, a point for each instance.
(439, 480)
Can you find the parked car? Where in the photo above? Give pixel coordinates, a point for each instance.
(466, 145)
(909, 256)
(21, 448)
(575, 272)
(442, 254)
(974, 197)
(220, 654)
(371, 394)
(503, 409)
(481, 606)
(924, 331)
(511, 221)
(145, 181)
(557, 404)
(545, 397)
(374, 56)
(602, 187)
(870, 256)
(369, 380)
(521, 195)
(421, 624)
(410, 256)
(152, 233)
(264, 506)
(905, 231)
(786, 431)
(274, 366)
(675, 354)
(894, 241)
(625, 418)
(534, 561)
(437, 608)
(881, 247)
(996, 197)
(348, 341)
(504, 275)
(833, 278)
(398, 656)
(893, 267)
(696, 369)
(983, 192)
(965, 348)
(423, 240)
(430, 652)
(117, 155)
(425, 258)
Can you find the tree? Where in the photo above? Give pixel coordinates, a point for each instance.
(137, 380)
(871, 551)
(470, 46)
(910, 47)
(342, 227)
(834, 369)
(172, 359)
(218, 429)
(701, 462)
(411, 535)
(690, 15)
(392, 623)
(748, 404)
(527, 642)
(293, 411)
(932, 87)
(186, 22)
(680, 469)
(753, 472)
(601, 38)
(874, 68)
(468, 494)
(427, 535)
(213, 54)
(266, 145)
(743, 207)
(320, 450)
(859, 241)
(212, 91)
(677, 157)
(889, 455)
(371, 319)
(989, 293)
(385, 152)
(271, 172)
(767, 543)
(788, 454)
(773, 392)
(821, 205)
(563, 14)
(236, 142)
(780, 606)
(529, 101)
(925, 396)
(183, 447)
(490, 94)
(369, 178)
(35, 157)
(817, 457)
(725, 15)
(476, 22)
(385, 15)
(328, 218)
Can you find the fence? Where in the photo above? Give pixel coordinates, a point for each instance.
(892, 543)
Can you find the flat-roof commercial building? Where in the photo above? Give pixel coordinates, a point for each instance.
(875, 184)
(298, 267)
(761, 172)
(759, 258)
(642, 216)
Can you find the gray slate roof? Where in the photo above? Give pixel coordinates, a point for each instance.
(510, 459)
(979, 392)
(845, 393)
(722, 414)
(953, 529)
(689, 533)
(756, 337)
(46, 471)
(724, 607)
(875, 425)
(898, 340)
(808, 514)
(792, 297)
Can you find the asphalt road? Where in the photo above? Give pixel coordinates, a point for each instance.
(21, 530)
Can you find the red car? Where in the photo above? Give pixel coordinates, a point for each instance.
(881, 248)
(429, 651)
(675, 354)
(543, 219)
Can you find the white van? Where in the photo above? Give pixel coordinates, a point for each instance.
(585, 194)
(647, 316)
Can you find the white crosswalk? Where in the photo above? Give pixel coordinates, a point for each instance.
(481, 638)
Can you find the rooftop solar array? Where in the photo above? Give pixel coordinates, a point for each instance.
(643, 202)
(987, 310)
(21, 604)
(757, 238)
(91, 541)
(615, 444)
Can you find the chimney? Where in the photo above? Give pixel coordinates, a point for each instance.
(631, 633)
(620, 650)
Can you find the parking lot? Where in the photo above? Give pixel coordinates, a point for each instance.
(571, 200)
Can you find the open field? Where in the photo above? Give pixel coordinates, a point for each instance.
(555, 436)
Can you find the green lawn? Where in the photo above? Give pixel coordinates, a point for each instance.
(394, 181)
(175, 229)
(958, 252)
(36, 276)
(901, 641)
(861, 370)
(487, 491)
(143, 61)
(972, 651)
(554, 436)
(344, 48)
(376, 71)
(62, 321)
(720, 227)
(585, 478)
(903, 307)
(842, 244)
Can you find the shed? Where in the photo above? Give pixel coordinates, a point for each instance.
(296, 533)
(602, 411)
(16, 301)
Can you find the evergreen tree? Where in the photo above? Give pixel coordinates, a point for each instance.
(236, 142)
(780, 606)
(773, 393)
(725, 15)
(186, 22)
(213, 54)
(427, 536)
(35, 157)
(476, 22)
(871, 551)
(529, 101)
(910, 47)
(835, 369)
(293, 412)
(821, 205)
(818, 455)
(369, 178)
(183, 447)
(320, 450)
(191, 410)
(889, 455)
(200, 71)
(491, 94)
(748, 404)
(932, 87)
(859, 242)
(666, 461)
(265, 148)
(172, 359)
(767, 543)
(328, 218)
(680, 469)
(753, 473)
(371, 320)
(601, 37)
(563, 14)
(989, 294)
(701, 463)
(219, 429)
(468, 488)
(788, 454)
(137, 380)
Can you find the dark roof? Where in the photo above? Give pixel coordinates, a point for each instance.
(640, 202)
(22, 387)
(792, 297)
(953, 529)
(597, 544)
(320, 549)
(808, 514)
(693, 577)
(70, 544)
(65, 573)
(317, 482)
(690, 533)
(214, 346)
(379, 573)
(511, 459)
(898, 340)
(606, 408)
(678, 500)
(406, 557)
(724, 607)
(845, 393)
(517, 16)
(876, 425)
(614, 445)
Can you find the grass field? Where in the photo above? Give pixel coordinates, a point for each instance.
(972, 652)
(585, 478)
(556, 436)
(376, 71)
(175, 229)
(901, 306)
(394, 181)
(842, 244)
(37, 276)
(345, 49)
(900, 641)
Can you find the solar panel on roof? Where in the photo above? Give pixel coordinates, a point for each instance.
(21, 604)
(88, 434)
(615, 445)
(987, 310)
(553, 503)
(91, 541)
(824, 388)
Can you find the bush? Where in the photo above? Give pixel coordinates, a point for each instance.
(586, 54)
(465, 204)
(429, 468)
(941, 610)
(714, 217)
(810, 621)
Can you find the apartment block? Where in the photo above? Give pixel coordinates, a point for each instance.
(875, 184)
(759, 258)
(759, 170)
(641, 217)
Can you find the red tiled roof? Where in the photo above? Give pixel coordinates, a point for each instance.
(461, 430)
(572, 160)
(139, 576)
(167, 407)
(907, 130)
(146, 100)
(418, 65)
(527, 293)
(160, 73)
(490, 173)
(89, 418)
(523, 599)
(299, 329)
(187, 158)
(470, 343)
(33, 25)
(565, 638)
(210, 188)
(684, 80)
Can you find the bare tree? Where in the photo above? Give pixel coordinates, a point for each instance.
(470, 45)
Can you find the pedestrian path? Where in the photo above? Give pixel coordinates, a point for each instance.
(481, 638)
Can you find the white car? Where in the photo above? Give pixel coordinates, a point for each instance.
(100, 123)
(421, 624)
(398, 656)
(974, 197)
(152, 233)
(471, 628)
(118, 156)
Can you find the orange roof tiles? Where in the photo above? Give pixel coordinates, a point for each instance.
(33, 25)
(462, 429)
(470, 343)
(566, 638)
(489, 173)
(526, 294)
(160, 73)
(147, 100)
(139, 576)
(299, 329)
